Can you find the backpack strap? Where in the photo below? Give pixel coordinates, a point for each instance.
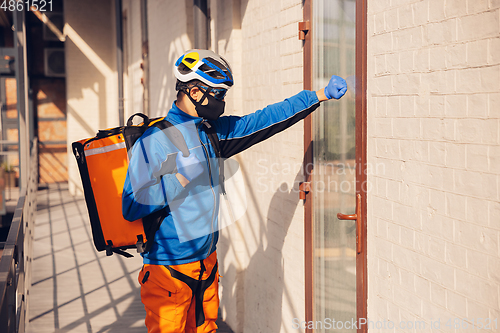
(132, 133)
(110, 250)
(152, 222)
(145, 119)
(174, 135)
(214, 140)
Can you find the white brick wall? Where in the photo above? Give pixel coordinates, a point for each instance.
(91, 81)
(262, 255)
(433, 216)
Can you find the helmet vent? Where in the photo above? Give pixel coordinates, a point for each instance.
(222, 68)
(183, 69)
(212, 72)
(204, 66)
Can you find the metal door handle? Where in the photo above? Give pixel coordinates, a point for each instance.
(358, 218)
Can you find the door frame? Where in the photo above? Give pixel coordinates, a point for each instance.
(361, 163)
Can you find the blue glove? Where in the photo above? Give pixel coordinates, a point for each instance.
(190, 167)
(336, 88)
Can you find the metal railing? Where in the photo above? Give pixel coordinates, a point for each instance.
(15, 262)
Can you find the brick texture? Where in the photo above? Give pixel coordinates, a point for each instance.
(442, 152)
(263, 288)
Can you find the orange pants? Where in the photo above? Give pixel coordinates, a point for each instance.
(181, 298)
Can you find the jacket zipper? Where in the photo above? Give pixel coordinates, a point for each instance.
(213, 192)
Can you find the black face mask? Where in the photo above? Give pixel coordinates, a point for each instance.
(211, 111)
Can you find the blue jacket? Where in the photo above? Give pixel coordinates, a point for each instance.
(189, 231)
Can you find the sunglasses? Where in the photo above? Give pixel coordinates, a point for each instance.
(219, 93)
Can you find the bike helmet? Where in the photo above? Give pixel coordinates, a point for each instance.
(205, 66)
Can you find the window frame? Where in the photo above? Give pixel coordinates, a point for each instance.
(361, 162)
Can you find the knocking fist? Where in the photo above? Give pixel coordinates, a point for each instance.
(336, 88)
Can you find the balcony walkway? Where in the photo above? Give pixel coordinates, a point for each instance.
(74, 287)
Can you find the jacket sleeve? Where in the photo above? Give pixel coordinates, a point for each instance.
(239, 133)
(147, 189)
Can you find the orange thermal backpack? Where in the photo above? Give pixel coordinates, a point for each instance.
(103, 162)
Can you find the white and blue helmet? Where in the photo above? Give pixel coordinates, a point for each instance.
(205, 66)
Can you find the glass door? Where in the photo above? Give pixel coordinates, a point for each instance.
(334, 190)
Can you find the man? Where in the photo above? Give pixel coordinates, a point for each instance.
(179, 279)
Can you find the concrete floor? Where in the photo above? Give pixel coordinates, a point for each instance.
(74, 287)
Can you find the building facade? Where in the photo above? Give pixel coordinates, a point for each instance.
(433, 122)
(419, 125)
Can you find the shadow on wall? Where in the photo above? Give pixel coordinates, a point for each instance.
(91, 74)
(50, 165)
(91, 64)
(89, 84)
(260, 289)
(265, 275)
(235, 12)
